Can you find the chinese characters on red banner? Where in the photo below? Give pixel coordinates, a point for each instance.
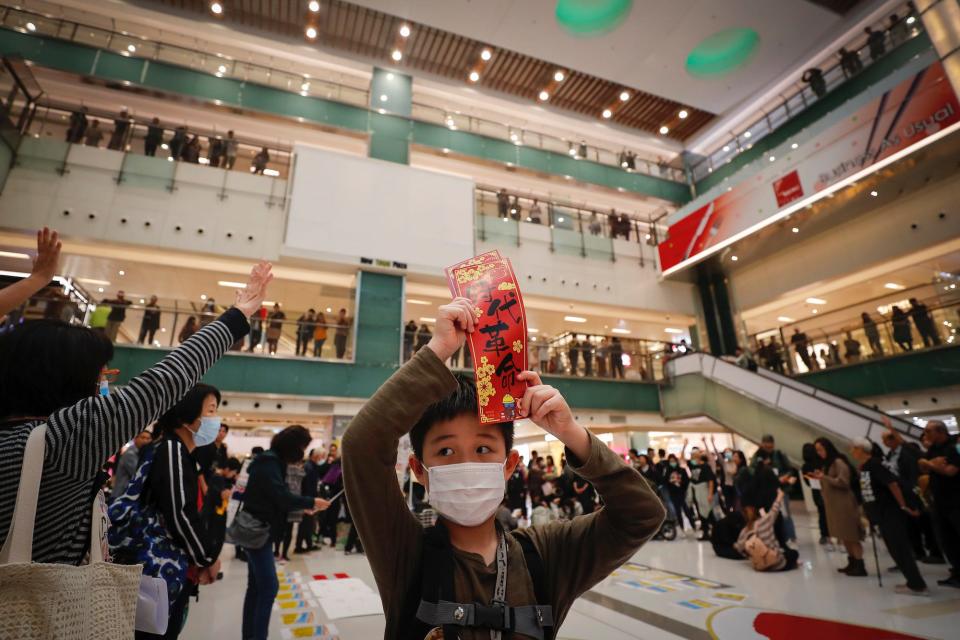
(499, 344)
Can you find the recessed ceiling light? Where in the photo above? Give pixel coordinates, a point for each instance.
(383, 97)
(12, 254)
(672, 330)
(216, 8)
(415, 301)
(683, 114)
(784, 319)
(794, 145)
(428, 320)
(772, 158)
(142, 301)
(894, 286)
(203, 296)
(122, 272)
(664, 130)
(222, 68)
(231, 284)
(396, 55)
(544, 96)
(305, 86)
(405, 31)
(314, 6)
(486, 54)
(747, 134)
(624, 96)
(734, 258)
(874, 194)
(816, 301)
(100, 290)
(624, 332)
(911, 19)
(795, 230)
(474, 76)
(576, 319)
(607, 113)
(446, 150)
(532, 330)
(558, 76)
(311, 32)
(131, 48)
(31, 26)
(815, 311)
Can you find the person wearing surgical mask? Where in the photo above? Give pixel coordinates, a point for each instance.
(173, 484)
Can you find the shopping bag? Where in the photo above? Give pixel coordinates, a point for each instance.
(41, 601)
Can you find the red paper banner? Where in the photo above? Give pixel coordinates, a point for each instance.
(499, 343)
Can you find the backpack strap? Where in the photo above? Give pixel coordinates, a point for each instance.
(539, 576)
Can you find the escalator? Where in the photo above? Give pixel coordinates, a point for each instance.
(752, 404)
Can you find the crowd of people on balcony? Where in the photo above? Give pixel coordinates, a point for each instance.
(182, 145)
(619, 225)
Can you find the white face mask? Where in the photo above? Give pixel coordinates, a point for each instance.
(467, 493)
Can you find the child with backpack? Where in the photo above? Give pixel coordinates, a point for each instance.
(466, 577)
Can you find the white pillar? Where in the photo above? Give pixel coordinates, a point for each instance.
(941, 20)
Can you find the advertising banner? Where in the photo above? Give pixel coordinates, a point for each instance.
(922, 105)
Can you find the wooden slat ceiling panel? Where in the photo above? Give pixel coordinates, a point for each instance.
(373, 34)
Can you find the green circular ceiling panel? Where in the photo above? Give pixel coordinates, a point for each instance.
(722, 52)
(589, 17)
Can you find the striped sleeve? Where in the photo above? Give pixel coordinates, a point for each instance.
(81, 437)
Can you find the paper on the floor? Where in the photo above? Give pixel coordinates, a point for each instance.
(326, 588)
(351, 605)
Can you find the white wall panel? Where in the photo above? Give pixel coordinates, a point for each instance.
(343, 208)
(831, 418)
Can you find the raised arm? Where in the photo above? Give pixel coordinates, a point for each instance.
(44, 269)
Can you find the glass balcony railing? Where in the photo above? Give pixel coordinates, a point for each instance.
(806, 92)
(319, 82)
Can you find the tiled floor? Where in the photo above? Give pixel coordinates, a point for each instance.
(630, 604)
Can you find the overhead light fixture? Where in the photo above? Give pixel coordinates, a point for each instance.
(428, 320)
(532, 330)
(486, 54)
(216, 8)
(664, 130)
(815, 311)
(623, 332)
(314, 6)
(446, 150)
(874, 194)
(894, 286)
(311, 32)
(203, 296)
(784, 319)
(576, 319)
(734, 258)
(474, 76)
(31, 27)
(558, 76)
(816, 301)
(747, 134)
(305, 86)
(231, 284)
(607, 113)
(415, 301)
(100, 290)
(122, 272)
(683, 114)
(383, 97)
(396, 55)
(911, 19)
(624, 96)
(672, 330)
(726, 148)
(405, 31)
(222, 68)
(795, 230)
(544, 96)
(794, 145)
(131, 48)
(12, 254)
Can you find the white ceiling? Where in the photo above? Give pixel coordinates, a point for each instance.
(649, 49)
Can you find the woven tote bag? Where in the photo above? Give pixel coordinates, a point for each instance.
(56, 601)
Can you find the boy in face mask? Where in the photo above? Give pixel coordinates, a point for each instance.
(466, 577)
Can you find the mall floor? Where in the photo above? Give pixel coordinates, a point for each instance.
(648, 598)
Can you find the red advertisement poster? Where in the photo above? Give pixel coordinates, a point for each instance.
(788, 189)
(499, 344)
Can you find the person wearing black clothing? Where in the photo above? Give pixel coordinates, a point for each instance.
(310, 488)
(118, 313)
(517, 490)
(800, 344)
(616, 358)
(153, 139)
(584, 493)
(677, 482)
(901, 328)
(409, 335)
(78, 125)
(214, 150)
(275, 327)
(924, 323)
(811, 463)
(423, 337)
(703, 486)
(573, 352)
(850, 62)
(814, 77)
(648, 470)
(119, 136)
(903, 460)
(503, 203)
(786, 476)
(216, 500)
(942, 462)
(876, 44)
(305, 325)
(873, 335)
(586, 353)
(268, 499)
(150, 322)
(177, 142)
(331, 484)
(886, 508)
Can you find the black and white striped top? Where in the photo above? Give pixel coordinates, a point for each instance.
(80, 438)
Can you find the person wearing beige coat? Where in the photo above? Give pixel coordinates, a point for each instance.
(840, 502)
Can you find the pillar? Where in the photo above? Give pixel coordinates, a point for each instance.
(714, 292)
(391, 105)
(941, 20)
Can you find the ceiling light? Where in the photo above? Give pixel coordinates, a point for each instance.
(558, 76)
(747, 134)
(664, 130)
(428, 320)
(122, 272)
(222, 68)
(474, 76)
(683, 114)
(794, 145)
(383, 97)
(142, 301)
(607, 113)
(314, 6)
(305, 86)
(311, 32)
(31, 26)
(216, 8)
(672, 330)
(795, 230)
(816, 301)
(560, 219)
(624, 332)
(894, 286)
(784, 319)
(624, 96)
(726, 147)
(544, 96)
(772, 158)
(532, 330)
(405, 31)
(396, 55)
(131, 48)
(11, 254)
(486, 54)
(100, 290)
(203, 296)
(231, 284)
(415, 301)
(815, 311)
(911, 19)
(874, 194)
(446, 150)
(734, 258)
(576, 319)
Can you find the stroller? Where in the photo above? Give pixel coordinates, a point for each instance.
(668, 530)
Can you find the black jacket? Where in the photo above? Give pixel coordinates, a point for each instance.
(267, 496)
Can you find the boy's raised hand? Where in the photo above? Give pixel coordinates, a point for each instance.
(454, 322)
(548, 409)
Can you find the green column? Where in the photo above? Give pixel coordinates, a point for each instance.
(391, 105)
(379, 319)
(717, 311)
